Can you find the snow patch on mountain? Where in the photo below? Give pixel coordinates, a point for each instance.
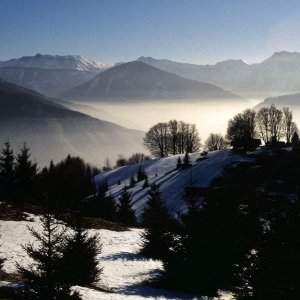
(68, 62)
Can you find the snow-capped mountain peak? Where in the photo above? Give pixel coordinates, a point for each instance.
(68, 62)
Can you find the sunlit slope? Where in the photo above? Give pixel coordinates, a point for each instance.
(172, 182)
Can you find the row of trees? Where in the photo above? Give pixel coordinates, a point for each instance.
(173, 137)
(18, 174)
(269, 123)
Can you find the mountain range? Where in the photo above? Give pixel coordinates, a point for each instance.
(277, 75)
(53, 131)
(50, 74)
(139, 81)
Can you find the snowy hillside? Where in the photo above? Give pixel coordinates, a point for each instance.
(123, 269)
(67, 62)
(171, 181)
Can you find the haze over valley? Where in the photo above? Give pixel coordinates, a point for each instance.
(135, 95)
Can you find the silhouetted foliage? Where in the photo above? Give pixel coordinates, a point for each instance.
(44, 275)
(25, 177)
(157, 236)
(132, 182)
(186, 161)
(7, 173)
(79, 260)
(179, 163)
(215, 141)
(174, 137)
(295, 139)
(68, 183)
(146, 183)
(126, 214)
(101, 206)
(141, 174)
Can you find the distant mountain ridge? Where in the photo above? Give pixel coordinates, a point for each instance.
(290, 100)
(50, 74)
(52, 62)
(53, 131)
(139, 81)
(279, 74)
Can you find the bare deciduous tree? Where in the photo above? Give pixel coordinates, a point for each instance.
(215, 141)
(288, 126)
(262, 123)
(242, 126)
(156, 140)
(275, 123)
(174, 137)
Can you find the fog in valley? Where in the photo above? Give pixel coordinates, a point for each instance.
(209, 116)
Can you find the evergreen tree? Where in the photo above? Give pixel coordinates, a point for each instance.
(146, 183)
(100, 205)
(157, 236)
(103, 186)
(186, 160)
(132, 182)
(295, 139)
(79, 261)
(276, 273)
(126, 214)
(179, 163)
(26, 175)
(141, 175)
(45, 274)
(7, 175)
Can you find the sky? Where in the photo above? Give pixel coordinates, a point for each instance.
(110, 31)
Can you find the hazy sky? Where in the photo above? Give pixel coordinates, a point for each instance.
(195, 31)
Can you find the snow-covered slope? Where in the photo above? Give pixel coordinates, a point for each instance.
(67, 62)
(123, 269)
(172, 182)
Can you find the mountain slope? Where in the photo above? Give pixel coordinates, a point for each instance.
(48, 74)
(53, 62)
(171, 181)
(53, 131)
(276, 75)
(291, 100)
(139, 81)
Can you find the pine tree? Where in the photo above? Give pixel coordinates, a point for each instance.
(26, 174)
(141, 175)
(126, 214)
(45, 274)
(7, 175)
(295, 139)
(132, 182)
(79, 261)
(186, 161)
(157, 236)
(146, 183)
(179, 163)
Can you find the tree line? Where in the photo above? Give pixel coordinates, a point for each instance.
(269, 123)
